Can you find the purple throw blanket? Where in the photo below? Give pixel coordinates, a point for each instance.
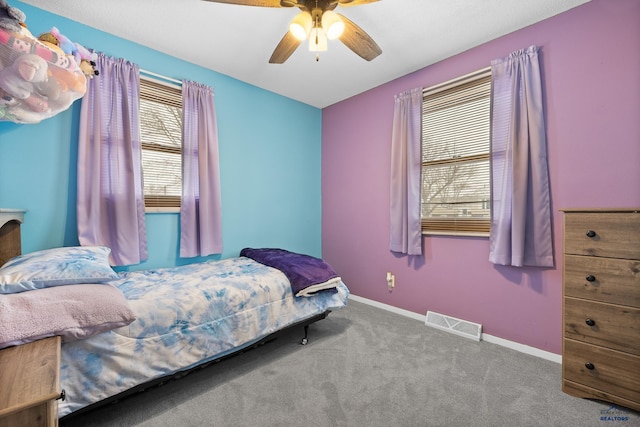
(306, 274)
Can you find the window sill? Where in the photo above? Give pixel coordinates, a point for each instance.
(161, 210)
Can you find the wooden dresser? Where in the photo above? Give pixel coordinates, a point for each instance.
(30, 384)
(601, 305)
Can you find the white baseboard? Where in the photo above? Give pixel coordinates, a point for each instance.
(522, 348)
(388, 307)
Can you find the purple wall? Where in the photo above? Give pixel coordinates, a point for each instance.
(590, 59)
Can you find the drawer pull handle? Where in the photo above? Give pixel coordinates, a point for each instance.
(590, 322)
(591, 278)
(591, 233)
(63, 395)
(589, 366)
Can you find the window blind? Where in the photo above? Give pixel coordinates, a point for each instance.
(455, 156)
(161, 141)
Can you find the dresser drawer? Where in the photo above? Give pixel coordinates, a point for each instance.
(615, 235)
(612, 326)
(611, 280)
(603, 369)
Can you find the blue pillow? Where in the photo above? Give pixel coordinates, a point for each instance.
(56, 267)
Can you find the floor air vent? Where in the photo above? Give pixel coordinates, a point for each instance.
(460, 327)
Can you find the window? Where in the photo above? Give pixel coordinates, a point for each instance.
(161, 140)
(455, 156)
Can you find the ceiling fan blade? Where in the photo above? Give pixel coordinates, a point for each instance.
(285, 48)
(261, 3)
(356, 39)
(347, 3)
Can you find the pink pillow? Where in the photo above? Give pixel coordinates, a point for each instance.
(73, 312)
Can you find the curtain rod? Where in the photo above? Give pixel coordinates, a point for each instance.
(160, 76)
(458, 80)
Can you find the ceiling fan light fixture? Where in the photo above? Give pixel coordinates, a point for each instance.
(332, 24)
(301, 25)
(317, 40)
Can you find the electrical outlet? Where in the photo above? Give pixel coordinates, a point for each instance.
(391, 281)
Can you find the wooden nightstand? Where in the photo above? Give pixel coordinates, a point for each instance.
(30, 384)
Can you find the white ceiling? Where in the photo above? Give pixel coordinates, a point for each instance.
(238, 40)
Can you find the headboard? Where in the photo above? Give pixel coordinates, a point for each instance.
(10, 242)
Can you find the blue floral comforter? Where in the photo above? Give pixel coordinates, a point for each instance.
(186, 315)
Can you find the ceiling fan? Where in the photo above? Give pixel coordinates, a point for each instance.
(317, 22)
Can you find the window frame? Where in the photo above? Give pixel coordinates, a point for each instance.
(479, 227)
(170, 94)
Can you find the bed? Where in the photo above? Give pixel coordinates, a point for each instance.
(168, 321)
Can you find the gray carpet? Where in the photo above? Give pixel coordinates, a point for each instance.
(365, 366)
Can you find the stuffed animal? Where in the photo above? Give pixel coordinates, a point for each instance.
(86, 60)
(7, 100)
(53, 53)
(51, 41)
(18, 80)
(50, 88)
(66, 80)
(84, 57)
(88, 68)
(67, 46)
(11, 18)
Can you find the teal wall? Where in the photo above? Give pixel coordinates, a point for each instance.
(270, 154)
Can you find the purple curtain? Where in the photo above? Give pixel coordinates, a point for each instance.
(520, 202)
(406, 229)
(200, 214)
(110, 205)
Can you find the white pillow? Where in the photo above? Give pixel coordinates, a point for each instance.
(55, 267)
